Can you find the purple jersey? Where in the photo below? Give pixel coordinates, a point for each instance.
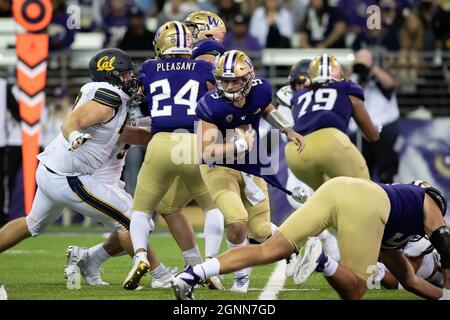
(328, 106)
(172, 88)
(208, 46)
(221, 112)
(406, 216)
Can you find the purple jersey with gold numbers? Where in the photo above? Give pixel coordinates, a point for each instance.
(406, 215)
(172, 88)
(328, 106)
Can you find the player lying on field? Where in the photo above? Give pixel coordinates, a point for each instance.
(371, 219)
(424, 259)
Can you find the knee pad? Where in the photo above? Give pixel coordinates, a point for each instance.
(440, 239)
(34, 226)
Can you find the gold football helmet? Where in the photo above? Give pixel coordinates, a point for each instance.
(173, 37)
(204, 24)
(325, 68)
(234, 74)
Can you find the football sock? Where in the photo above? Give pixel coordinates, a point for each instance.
(243, 272)
(330, 267)
(192, 256)
(97, 255)
(159, 271)
(208, 268)
(213, 231)
(139, 230)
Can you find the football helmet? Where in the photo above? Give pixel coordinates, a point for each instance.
(115, 67)
(173, 38)
(234, 75)
(204, 24)
(325, 68)
(437, 195)
(299, 74)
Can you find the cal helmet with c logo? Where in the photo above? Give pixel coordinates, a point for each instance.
(437, 195)
(234, 67)
(325, 68)
(173, 38)
(114, 66)
(204, 24)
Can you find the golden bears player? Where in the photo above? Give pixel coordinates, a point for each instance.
(172, 86)
(81, 168)
(239, 101)
(321, 113)
(373, 220)
(424, 259)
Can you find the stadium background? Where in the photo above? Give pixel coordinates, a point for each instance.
(413, 45)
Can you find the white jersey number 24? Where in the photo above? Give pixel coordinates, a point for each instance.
(190, 87)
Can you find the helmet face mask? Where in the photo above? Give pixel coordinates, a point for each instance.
(204, 24)
(234, 75)
(173, 38)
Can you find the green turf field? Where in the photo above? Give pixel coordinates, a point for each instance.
(34, 270)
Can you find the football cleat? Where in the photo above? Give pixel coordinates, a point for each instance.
(290, 264)
(140, 268)
(305, 267)
(78, 262)
(163, 281)
(214, 283)
(240, 284)
(184, 283)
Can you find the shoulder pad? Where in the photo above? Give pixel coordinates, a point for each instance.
(107, 97)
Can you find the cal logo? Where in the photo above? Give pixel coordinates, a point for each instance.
(104, 64)
(213, 21)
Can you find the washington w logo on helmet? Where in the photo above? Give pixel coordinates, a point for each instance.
(104, 65)
(213, 21)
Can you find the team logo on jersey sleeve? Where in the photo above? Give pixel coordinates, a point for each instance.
(229, 118)
(104, 65)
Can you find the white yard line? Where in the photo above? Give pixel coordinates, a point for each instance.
(275, 283)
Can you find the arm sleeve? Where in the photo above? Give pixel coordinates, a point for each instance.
(203, 111)
(355, 90)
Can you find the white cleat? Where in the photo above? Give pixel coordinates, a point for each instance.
(163, 281)
(240, 284)
(184, 283)
(140, 268)
(305, 267)
(290, 264)
(3, 294)
(78, 262)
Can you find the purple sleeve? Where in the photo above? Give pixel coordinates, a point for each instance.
(265, 93)
(203, 111)
(355, 90)
(209, 72)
